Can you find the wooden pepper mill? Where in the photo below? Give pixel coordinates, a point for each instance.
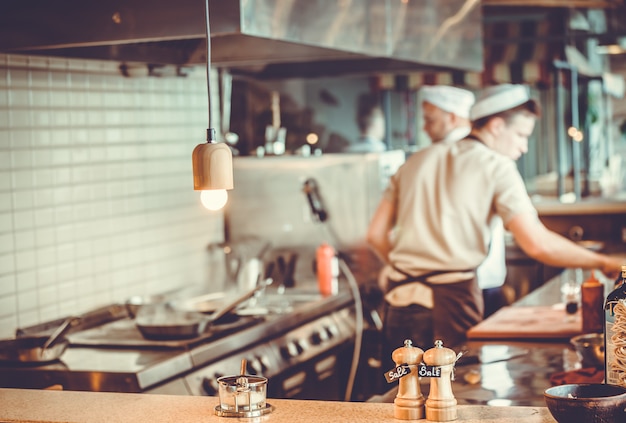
(409, 402)
(441, 404)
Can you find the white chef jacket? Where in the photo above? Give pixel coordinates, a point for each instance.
(472, 172)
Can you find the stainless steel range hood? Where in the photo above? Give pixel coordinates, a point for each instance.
(264, 38)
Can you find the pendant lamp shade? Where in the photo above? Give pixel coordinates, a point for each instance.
(212, 167)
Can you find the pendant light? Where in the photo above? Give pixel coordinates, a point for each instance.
(212, 162)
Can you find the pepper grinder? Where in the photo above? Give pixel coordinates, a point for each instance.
(441, 404)
(409, 402)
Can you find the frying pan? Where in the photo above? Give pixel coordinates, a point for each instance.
(37, 349)
(168, 323)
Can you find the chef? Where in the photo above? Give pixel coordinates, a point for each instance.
(371, 122)
(446, 112)
(433, 224)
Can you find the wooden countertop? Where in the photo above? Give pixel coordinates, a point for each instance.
(547, 206)
(21, 405)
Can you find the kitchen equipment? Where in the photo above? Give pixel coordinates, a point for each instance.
(163, 321)
(134, 303)
(36, 349)
(441, 403)
(234, 260)
(590, 349)
(287, 216)
(243, 395)
(527, 322)
(303, 353)
(286, 270)
(316, 203)
(587, 403)
(327, 269)
(409, 402)
(205, 303)
(250, 274)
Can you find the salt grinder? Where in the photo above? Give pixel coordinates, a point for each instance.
(409, 403)
(441, 404)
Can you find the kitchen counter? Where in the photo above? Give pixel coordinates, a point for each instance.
(513, 371)
(548, 205)
(69, 406)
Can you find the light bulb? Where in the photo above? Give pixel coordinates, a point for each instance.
(312, 138)
(214, 199)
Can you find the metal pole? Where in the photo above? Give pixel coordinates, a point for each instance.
(560, 133)
(575, 124)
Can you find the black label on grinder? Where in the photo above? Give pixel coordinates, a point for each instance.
(397, 372)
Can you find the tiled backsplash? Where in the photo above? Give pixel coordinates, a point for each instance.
(96, 194)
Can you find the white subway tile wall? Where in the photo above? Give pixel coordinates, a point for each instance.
(96, 194)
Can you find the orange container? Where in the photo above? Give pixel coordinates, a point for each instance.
(327, 269)
(592, 294)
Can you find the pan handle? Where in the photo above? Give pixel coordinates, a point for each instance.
(58, 332)
(230, 307)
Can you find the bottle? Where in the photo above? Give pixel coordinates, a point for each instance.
(615, 333)
(327, 269)
(592, 294)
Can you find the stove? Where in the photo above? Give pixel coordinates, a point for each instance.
(304, 352)
(124, 333)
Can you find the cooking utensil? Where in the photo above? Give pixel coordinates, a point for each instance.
(58, 332)
(37, 349)
(163, 322)
(134, 303)
(587, 403)
(205, 303)
(288, 271)
(250, 274)
(590, 349)
(167, 322)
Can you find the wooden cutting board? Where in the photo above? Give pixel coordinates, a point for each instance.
(527, 322)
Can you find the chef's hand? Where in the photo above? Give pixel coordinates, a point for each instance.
(612, 266)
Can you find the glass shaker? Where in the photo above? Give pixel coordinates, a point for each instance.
(571, 281)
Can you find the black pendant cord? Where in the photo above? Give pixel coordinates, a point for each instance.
(210, 133)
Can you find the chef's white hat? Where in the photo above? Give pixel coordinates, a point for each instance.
(450, 99)
(499, 98)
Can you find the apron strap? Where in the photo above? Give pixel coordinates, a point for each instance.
(421, 278)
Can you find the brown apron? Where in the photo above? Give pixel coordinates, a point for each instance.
(457, 306)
